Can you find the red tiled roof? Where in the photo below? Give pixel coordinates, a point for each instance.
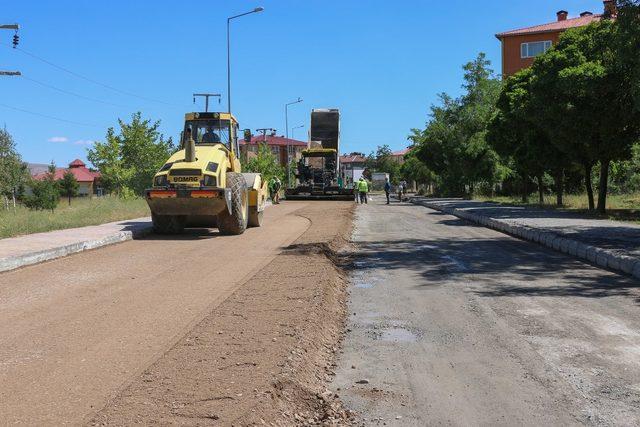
(555, 26)
(401, 152)
(352, 159)
(76, 163)
(81, 173)
(274, 140)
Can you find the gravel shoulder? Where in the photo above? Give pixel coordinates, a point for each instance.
(266, 353)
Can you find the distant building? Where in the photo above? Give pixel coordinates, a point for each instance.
(37, 168)
(521, 46)
(285, 149)
(351, 167)
(88, 180)
(398, 156)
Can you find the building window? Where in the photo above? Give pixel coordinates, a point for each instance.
(533, 49)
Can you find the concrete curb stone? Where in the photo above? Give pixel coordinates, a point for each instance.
(13, 262)
(599, 256)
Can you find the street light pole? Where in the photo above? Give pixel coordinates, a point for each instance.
(256, 10)
(286, 115)
(286, 130)
(294, 128)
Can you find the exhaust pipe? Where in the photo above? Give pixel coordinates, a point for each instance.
(190, 151)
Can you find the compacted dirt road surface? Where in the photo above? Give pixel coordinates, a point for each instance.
(455, 324)
(189, 329)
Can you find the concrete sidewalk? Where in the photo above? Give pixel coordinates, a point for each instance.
(609, 244)
(16, 252)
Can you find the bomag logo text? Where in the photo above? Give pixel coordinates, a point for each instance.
(186, 179)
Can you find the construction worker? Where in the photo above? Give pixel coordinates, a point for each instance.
(400, 191)
(404, 188)
(387, 189)
(274, 189)
(355, 191)
(363, 189)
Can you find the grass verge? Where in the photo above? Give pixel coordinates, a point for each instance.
(81, 212)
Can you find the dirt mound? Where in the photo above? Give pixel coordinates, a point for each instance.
(266, 355)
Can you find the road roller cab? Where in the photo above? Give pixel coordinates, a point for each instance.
(202, 184)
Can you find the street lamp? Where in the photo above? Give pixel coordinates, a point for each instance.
(289, 150)
(294, 128)
(286, 130)
(286, 115)
(256, 10)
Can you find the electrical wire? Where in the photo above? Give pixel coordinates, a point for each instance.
(95, 82)
(77, 95)
(48, 117)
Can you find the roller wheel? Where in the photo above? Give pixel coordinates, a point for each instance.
(236, 222)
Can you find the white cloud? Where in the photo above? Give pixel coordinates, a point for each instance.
(83, 142)
(58, 139)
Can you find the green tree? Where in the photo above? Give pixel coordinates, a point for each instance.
(68, 185)
(131, 158)
(515, 133)
(45, 193)
(414, 170)
(265, 163)
(571, 81)
(626, 45)
(453, 145)
(383, 161)
(13, 171)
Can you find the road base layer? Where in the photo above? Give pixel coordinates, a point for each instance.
(266, 354)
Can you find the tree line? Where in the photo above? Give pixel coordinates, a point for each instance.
(569, 122)
(127, 161)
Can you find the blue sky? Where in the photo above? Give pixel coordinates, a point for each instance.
(381, 63)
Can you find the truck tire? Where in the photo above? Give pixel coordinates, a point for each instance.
(255, 217)
(168, 224)
(236, 222)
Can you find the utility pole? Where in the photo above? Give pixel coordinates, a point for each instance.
(206, 99)
(16, 40)
(264, 133)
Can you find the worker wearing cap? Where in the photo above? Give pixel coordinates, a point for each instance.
(363, 189)
(274, 189)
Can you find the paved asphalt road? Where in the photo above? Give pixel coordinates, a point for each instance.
(77, 330)
(456, 324)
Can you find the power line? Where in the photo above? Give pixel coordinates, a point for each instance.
(95, 82)
(48, 117)
(72, 93)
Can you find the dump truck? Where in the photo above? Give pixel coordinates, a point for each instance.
(318, 169)
(202, 184)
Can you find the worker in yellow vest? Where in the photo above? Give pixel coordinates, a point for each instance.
(363, 189)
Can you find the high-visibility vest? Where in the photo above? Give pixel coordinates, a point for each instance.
(363, 186)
